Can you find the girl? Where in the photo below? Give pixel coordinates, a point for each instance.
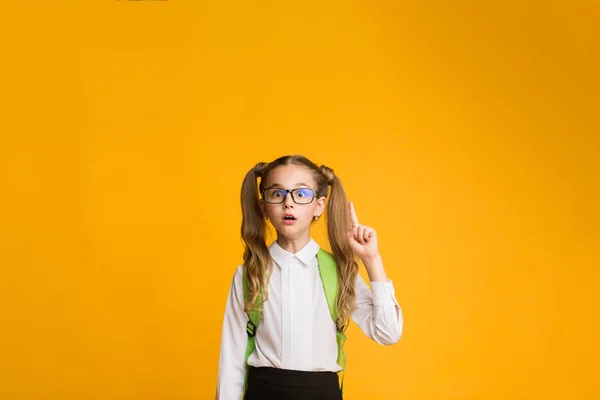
(296, 352)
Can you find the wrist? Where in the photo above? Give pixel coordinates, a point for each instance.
(372, 261)
(374, 266)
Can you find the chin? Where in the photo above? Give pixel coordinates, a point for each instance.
(291, 228)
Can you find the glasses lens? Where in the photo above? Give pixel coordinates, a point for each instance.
(303, 196)
(274, 195)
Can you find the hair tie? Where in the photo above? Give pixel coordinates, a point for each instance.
(328, 174)
(260, 169)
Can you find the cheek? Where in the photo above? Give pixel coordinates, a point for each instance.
(309, 212)
(270, 209)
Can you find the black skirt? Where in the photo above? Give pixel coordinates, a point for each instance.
(282, 384)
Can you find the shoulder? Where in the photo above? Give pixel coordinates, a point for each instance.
(238, 274)
(239, 270)
(237, 285)
(236, 278)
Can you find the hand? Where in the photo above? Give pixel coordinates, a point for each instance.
(362, 239)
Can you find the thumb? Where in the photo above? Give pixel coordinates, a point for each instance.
(351, 232)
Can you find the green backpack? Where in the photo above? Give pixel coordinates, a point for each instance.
(329, 278)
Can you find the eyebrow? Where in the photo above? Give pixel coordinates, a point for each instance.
(297, 185)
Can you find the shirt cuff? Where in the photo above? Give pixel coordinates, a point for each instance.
(383, 294)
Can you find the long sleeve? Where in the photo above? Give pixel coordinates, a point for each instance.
(233, 343)
(377, 311)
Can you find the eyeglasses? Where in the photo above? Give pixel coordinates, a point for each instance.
(277, 195)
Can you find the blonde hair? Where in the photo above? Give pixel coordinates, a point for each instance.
(257, 259)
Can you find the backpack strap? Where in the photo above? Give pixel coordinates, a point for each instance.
(329, 278)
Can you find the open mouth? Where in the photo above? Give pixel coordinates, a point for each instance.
(289, 218)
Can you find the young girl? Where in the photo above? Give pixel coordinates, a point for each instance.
(296, 351)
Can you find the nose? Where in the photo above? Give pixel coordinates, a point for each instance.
(288, 202)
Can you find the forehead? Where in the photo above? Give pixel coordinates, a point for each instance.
(290, 176)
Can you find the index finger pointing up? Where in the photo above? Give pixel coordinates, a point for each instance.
(353, 217)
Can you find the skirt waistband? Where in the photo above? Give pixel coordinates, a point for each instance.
(292, 378)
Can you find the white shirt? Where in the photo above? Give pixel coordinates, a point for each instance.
(296, 331)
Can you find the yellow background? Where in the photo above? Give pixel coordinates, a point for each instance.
(465, 131)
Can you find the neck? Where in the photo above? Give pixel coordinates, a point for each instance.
(293, 245)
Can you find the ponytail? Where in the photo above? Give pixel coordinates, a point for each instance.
(338, 226)
(256, 254)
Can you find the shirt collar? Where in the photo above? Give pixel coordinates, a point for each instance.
(305, 255)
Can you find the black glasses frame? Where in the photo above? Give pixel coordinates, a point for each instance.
(291, 192)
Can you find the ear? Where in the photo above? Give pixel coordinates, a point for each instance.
(320, 206)
(261, 204)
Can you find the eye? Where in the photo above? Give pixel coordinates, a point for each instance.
(304, 193)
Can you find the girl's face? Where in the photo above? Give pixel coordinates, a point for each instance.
(291, 219)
